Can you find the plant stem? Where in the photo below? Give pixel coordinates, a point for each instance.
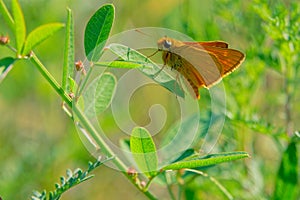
(288, 72)
(51, 80)
(215, 181)
(83, 84)
(167, 177)
(84, 121)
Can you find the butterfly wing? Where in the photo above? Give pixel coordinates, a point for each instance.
(229, 58)
(205, 63)
(193, 77)
(212, 60)
(219, 44)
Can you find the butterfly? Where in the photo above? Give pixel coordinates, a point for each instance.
(203, 64)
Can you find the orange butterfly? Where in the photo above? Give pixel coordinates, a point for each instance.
(203, 64)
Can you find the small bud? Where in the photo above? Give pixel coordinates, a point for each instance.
(79, 65)
(4, 40)
(71, 95)
(131, 171)
(143, 184)
(181, 171)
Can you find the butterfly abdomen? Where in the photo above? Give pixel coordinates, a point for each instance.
(177, 63)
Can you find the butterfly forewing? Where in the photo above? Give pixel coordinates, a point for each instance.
(219, 44)
(205, 63)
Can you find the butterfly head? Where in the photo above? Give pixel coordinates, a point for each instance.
(164, 43)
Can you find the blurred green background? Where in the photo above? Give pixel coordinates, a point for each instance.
(39, 142)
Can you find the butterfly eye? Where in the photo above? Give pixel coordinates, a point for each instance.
(167, 44)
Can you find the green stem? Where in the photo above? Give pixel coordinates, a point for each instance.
(167, 177)
(215, 181)
(288, 72)
(45, 73)
(81, 88)
(84, 121)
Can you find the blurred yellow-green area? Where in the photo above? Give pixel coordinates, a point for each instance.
(38, 141)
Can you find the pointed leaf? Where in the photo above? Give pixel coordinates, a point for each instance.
(196, 161)
(40, 34)
(120, 64)
(69, 54)
(97, 32)
(98, 95)
(144, 151)
(72, 85)
(6, 65)
(20, 27)
(6, 15)
(287, 179)
(149, 68)
(185, 154)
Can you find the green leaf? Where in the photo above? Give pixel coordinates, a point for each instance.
(6, 15)
(97, 32)
(187, 153)
(72, 84)
(72, 179)
(6, 65)
(40, 34)
(261, 126)
(149, 68)
(98, 95)
(144, 151)
(287, 178)
(20, 27)
(196, 161)
(69, 53)
(120, 64)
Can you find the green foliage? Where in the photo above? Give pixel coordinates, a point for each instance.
(20, 27)
(6, 65)
(144, 151)
(6, 15)
(69, 54)
(66, 183)
(120, 64)
(40, 34)
(99, 94)
(281, 24)
(287, 179)
(97, 31)
(261, 101)
(195, 161)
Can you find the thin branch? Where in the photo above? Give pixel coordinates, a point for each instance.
(215, 181)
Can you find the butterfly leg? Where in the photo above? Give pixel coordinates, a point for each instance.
(156, 73)
(177, 80)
